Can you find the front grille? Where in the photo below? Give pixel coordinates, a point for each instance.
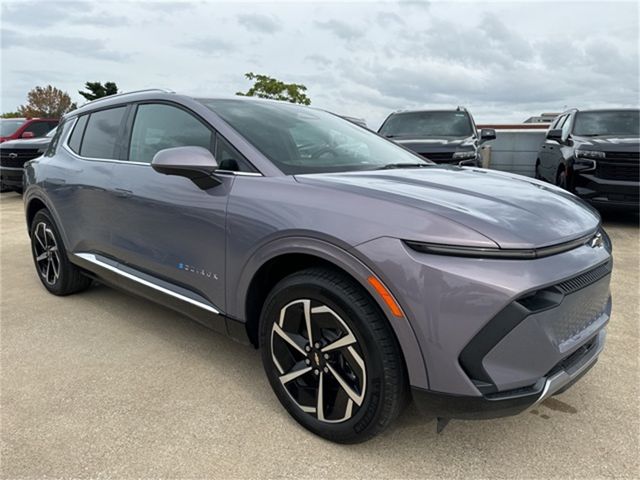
(22, 156)
(576, 283)
(619, 166)
(439, 157)
(623, 155)
(586, 299)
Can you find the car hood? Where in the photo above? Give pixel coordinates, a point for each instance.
(26, 143)
(609, 143)
(511, 210)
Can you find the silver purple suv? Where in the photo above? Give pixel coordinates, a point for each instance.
(366, 274)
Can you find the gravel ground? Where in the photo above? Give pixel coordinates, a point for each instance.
(103, 384)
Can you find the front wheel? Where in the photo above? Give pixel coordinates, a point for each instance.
(562, 179)
(331, 356)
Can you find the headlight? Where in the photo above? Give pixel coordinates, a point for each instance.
(498, 253)
(594, 154)
(464, 155)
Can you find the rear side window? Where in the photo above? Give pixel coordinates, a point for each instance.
(76, 136)
(101, 134)
(159, 126)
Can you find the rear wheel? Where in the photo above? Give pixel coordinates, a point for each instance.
(58, 275)
(331, 357)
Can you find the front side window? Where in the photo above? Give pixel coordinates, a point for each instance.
(428, 124)
(613, 122)
(101, 133)
(160, 126)
(299, 139)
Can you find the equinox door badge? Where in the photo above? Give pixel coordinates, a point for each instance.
(197, 271)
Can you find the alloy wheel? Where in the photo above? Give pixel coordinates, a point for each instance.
(319, 361)
(46, 253)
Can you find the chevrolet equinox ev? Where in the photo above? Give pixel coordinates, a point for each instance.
(366, 274)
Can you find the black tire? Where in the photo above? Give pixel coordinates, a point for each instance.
(383, 388)
(537, 171)
(58, 275)
(561, 179)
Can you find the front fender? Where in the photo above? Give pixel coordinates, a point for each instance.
(347, 260)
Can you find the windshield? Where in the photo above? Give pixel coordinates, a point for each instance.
(7, 127)
(614, 122)
(305, 140)
(428, 124)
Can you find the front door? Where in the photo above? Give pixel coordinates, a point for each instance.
(166, 226)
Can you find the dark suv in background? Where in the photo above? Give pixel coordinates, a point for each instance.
(443, 136)
(594, 154)
(15, 128)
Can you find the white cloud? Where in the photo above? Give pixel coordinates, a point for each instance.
(505, 61)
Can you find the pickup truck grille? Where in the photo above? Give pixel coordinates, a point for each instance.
(7, 158)
(619, 166)
(439, 157)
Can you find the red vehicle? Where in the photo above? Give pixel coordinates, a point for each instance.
(15, 128)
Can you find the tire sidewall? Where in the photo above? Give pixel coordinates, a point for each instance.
(43, 216)
(287, 291)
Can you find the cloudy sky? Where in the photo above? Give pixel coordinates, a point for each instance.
(505, 61)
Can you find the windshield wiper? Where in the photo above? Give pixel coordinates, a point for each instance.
(391, 166)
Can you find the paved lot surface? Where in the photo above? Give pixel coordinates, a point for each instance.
(103, 384)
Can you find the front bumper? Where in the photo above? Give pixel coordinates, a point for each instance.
(491, 327)
(557, 381)
(603, 192)
(11, 176)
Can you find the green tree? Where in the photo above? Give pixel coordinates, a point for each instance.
(11, 115)
(269, 87)
(97, 90)
(48, 102)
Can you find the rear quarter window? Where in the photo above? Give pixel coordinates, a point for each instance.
(76, 136)
(101, 133)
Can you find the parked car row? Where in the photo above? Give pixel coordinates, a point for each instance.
(366, 273)
(594, 154)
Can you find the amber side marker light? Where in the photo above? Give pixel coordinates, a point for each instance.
(386, 296)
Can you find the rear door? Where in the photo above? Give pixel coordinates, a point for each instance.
(79, 179)
(166, 226)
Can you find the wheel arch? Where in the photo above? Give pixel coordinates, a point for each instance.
(282, 257)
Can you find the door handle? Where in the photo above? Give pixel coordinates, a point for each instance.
(122, 193)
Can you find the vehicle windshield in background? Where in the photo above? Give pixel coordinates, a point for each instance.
(304, 140)
(428, 124)
(7, 127)
(613, 122)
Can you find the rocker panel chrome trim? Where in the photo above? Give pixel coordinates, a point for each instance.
(89, 257)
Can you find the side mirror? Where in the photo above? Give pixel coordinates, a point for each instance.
(27, 135)
(195, 163)
(487, 134)
(555, 134)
